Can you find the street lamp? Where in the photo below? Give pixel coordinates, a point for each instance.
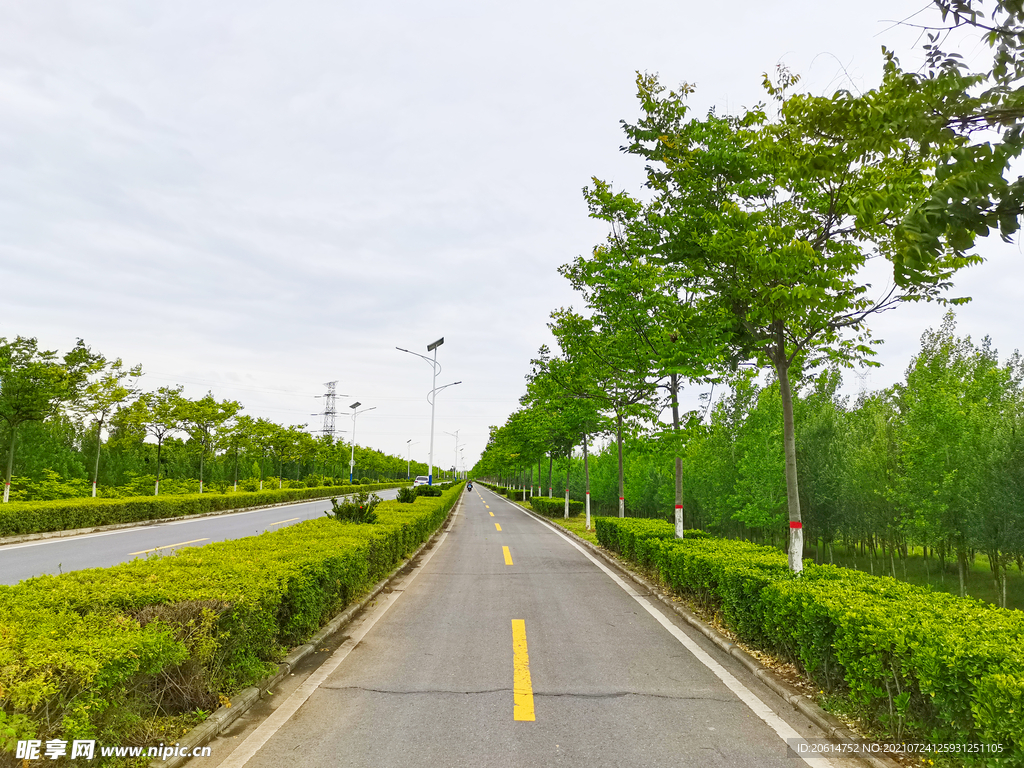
(352, 458)
(432, 397)
(455, 434)
(408, 459)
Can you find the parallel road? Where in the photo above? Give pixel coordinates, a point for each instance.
(106, 548)
(509, 646)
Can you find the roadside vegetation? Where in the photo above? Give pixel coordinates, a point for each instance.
(739, 271)
(80, 425)
(24, 517)
(148, 648)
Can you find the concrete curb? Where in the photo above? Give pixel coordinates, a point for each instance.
(23, 537)
(244, 700)
(832, 726)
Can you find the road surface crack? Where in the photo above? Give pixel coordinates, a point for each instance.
(537, 694)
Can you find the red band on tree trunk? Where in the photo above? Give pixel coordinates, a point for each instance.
(796, 524)
(679, 506)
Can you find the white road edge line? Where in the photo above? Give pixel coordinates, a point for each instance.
(245, 751)
(784, 730)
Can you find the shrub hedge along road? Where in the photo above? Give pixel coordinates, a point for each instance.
(91, 654)
(919, 663)
(19, 517)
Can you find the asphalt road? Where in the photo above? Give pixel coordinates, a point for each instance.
(512, 647)
(93, 550)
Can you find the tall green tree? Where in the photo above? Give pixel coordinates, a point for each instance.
(160, 413)
(628, 292)
(774, 218)
(35, 383)
(202, 420)
(613, 370)
(112, 387)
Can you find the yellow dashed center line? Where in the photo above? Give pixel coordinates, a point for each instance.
(486, 507)
(289, 520)
(508, 556)
(167, 546)
(497, 526)
(491, 514)
(522, 688)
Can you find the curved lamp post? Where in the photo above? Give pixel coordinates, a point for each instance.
(408, 458)
(352, 458)
(432, 396)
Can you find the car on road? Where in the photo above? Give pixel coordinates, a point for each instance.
(421, 480)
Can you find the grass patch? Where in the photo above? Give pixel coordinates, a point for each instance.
(577, 524)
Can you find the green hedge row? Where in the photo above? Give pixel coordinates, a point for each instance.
(917, 661)
(509, 493)
(18, 517)
(554, 507)
(90, 654)
(634, 538)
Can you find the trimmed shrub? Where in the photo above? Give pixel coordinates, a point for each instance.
(407, 495)
(554, 507)
(915, 661)
(89, 653)
(67, 514)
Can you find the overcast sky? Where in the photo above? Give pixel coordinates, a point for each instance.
(255, 198)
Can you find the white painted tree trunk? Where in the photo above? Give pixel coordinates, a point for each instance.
(586, 478)
(796, 530)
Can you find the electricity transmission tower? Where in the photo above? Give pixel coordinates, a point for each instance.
(329, 411)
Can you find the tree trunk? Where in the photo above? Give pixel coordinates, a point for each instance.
(568, 469)
(796, 533)
(159, 445)
(202, 454)
(96, 465)
(961, 557)
(586, 478)
(10, 466)
(674, 390)
(236, 469)
(551, 487)
(622, 489)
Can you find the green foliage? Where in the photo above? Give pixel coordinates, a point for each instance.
(358, 508)
(40, 516)
(428, 490)
(917, 663)
(407, 494)
(91, 653)
(554, 507)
